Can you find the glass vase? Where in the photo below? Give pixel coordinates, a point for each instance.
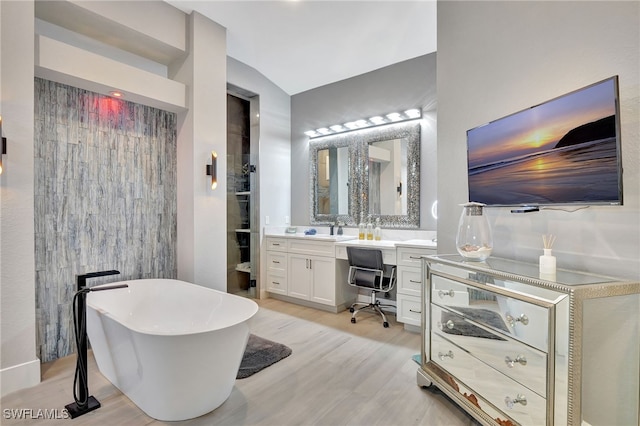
(474, 240)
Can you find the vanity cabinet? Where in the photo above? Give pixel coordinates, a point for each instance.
(305, 271)
(312, 278)
(409, 283)
(513, 349)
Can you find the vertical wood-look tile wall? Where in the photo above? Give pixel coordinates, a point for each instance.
(105, 198)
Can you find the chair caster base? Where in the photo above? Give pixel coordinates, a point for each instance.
(352, 310)
(385, 324)
(353, 320)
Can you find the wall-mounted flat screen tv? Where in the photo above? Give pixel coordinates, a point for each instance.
(563, 151)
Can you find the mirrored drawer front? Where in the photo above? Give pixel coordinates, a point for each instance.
(412, 256)
(517, 401)
(277, 244)
(523, 321)
(410, 281)
(276, 262)
(515, 359)
(409, 309)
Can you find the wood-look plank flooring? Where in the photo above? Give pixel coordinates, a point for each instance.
(338, 374)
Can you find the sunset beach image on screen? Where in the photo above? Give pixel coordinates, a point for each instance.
(563, 151)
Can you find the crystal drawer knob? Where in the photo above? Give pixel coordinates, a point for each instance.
(449, 324)
(523, 319)
(520, 359)
(442, 356)
(510, 402)
(443, 293)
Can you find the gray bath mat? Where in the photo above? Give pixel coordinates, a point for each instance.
(259, 354)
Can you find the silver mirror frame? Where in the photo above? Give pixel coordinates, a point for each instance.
(358, 143)
(338, 141)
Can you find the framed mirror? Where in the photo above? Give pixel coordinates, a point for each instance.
(332, 162)
(391, 179)
(370, 173)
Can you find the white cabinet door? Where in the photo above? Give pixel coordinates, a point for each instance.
(323, 289)
(299, 276)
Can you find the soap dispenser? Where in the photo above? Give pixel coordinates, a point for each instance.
(377, 232)
(369, 230)
(361, 228)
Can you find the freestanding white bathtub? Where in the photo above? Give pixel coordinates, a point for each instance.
(172, 347)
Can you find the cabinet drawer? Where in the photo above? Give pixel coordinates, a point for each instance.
(277, 244)
(410, 281)
(276, 261)
(488, 383)
(409, 309)
(277, 283)
(514, 359)
(318, 248)
(388, 254)
(412, 256)
(521, 320)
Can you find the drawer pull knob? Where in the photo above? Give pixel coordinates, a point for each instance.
(443, 293)
(520, 359)
(275, 261)
(520, 399)
(415, 257)
(446, 355)
(449, 324)
(414, 281)
(512, 320)
(415, 312)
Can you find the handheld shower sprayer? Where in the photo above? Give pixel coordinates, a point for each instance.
(83, 402)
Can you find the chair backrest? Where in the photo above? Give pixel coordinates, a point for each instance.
(366, 268)
(365, 257)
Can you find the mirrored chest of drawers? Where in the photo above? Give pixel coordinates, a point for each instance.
(513, 349)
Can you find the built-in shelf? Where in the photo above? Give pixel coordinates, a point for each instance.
(243, 193)
(244, 230)
(244, 267)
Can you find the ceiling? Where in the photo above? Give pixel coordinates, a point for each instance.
(302, 44)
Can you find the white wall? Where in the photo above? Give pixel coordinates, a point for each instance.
(496, 58)
(19, 366)
(274, 153)
(202, 212)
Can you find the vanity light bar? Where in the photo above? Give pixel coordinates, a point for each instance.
(378, 120)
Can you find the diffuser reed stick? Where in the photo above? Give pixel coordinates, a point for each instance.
(548, 241)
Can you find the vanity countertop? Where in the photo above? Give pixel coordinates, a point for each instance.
(390, 243)
(369, 243)
(316, 237)
(418, 244)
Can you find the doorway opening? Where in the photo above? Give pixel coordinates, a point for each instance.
(243, 233)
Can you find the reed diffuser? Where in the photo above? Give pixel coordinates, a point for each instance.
(547, 260)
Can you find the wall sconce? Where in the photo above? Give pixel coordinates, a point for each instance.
(3, 148)
(212, 170)
(378, 120)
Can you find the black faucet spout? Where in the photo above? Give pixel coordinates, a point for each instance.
(81, 280)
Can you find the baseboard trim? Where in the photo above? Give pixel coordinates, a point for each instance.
(20, 376)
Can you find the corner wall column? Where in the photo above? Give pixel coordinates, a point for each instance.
(202, 221)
